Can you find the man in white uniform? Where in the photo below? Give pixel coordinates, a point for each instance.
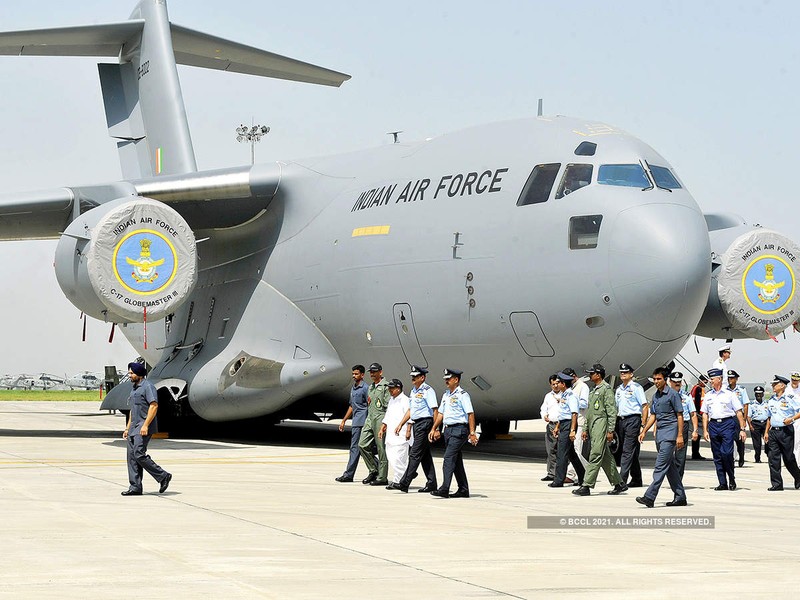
(397, 445)
(794, 390)
(722, 361)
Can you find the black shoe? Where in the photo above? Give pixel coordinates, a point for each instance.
(633, 485)
(758, 460)
(343, 479)
(427, 489)
(379, 482)
(698, 457)
(732, 486)
(548, 478)
(554, 484)
(677, 502)
(774, 488)
(369, 478)
(132, 493)
(741, 462)
(461, 494)
(618, 489)
(720, 487)
(440, 494)
(797, 484)
(165, 483)
(645, 500)
(402, 488)
(582, 491)
(392, 486)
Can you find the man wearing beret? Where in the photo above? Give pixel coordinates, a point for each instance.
(722, 411)
(784, 411)
(141, 426)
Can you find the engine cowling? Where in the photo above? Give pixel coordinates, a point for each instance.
(755, 274)
(127, 260)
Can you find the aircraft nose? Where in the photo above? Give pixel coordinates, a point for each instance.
(659, 268)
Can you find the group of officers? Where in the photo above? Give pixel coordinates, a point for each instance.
(603, 428)
(392, 428)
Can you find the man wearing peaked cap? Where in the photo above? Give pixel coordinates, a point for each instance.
(581, 391)
(741, 393)
(757, 420)
(458, 417)
(378, 397)
(794, 390)
(722, 412)
(423, 411)
(784, 411)
(565, 432)
(722, 361)
(632, 413)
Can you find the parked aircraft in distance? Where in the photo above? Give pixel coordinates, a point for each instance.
(457, 251)
(85, 381)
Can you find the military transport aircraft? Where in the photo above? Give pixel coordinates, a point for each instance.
(508, 250)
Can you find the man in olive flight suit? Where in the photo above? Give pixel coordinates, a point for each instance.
(378, 398)
(601, 419)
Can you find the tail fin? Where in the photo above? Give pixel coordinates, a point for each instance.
(142, 94)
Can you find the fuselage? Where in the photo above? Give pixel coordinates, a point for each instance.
(497, 250)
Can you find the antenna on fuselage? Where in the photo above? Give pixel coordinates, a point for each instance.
(539, 112)
(394, 135)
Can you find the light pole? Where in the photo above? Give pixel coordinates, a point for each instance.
(252, 134)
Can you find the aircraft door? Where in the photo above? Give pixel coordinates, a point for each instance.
(407, 335)
(530, 334)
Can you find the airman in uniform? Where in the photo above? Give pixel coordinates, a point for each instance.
(721, 363)
(784, 411)
(741, 393)
(458, 417)
(721, 411)
(632, 413)
(794, 390)
(581, 391)
(601, 418)
(689, 419)
(757, 420)
(378, 398)
(423, 410)
(666, 413)
(565, 433)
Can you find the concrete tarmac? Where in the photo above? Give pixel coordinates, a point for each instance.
(267, 520)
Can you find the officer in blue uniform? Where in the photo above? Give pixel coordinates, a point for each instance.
(784, 410)
(722, 411)
(141, 426)
(757, 420)
(458, 417)
(666, 412)
(422, 411)
(631, 414)
(358, 411)
(690, 430)
(565, 433)
(741, 393)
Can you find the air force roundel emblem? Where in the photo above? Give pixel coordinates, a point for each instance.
(768, 284)
(145, 262)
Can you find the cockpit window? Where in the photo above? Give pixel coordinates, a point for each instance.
(623, 175)
(540, 183)
(575, 177)
(584, 231)
(664, 178)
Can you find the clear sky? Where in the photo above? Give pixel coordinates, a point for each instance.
(711, 85)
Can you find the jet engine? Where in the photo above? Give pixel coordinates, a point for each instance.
(127, 261)
(754, 276)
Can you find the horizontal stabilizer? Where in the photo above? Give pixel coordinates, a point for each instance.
(192, 48)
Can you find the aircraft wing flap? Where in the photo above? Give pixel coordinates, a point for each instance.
(86, 40)
(35, 215)
(198, 49)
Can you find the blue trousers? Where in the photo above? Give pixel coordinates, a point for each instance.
(666, 465)
(721, 435)
(420, 453)
(139, 461)
(565, 453)
(455, 436)
(352, 463)
(781, 445)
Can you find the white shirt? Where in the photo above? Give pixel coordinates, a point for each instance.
(394, 414)
(581, 391)
(720, 364)
(550, 407)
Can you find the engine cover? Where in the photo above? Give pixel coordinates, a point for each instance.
(757, 283)
(126, 259)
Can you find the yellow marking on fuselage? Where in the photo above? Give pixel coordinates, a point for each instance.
(372, 230)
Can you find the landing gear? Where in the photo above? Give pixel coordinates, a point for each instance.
(491, 430)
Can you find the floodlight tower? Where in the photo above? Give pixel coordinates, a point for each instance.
(252, 134)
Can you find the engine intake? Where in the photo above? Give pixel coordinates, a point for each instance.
(126, 259)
